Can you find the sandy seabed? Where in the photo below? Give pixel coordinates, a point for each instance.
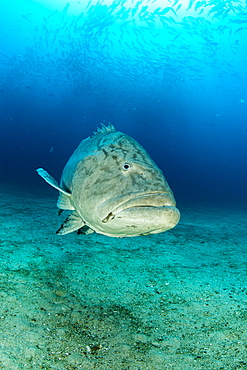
(174, 301)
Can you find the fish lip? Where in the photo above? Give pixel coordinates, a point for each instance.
(168, 201)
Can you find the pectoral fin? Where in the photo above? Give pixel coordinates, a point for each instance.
(51, 181)
(64, 199)
(64, 202)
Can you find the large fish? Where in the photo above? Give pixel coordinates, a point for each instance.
(113, 187)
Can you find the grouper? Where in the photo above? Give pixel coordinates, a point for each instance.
(112, 187)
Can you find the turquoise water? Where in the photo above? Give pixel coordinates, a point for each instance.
(175, 300)
(172, 75)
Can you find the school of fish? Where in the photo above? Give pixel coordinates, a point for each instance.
(144, 44)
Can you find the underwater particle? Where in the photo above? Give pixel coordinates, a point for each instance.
(242, 101)
(93, 349)
(60, 293)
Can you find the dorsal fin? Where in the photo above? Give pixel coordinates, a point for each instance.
(105, 129)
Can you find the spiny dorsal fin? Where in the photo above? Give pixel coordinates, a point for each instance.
(105, 129)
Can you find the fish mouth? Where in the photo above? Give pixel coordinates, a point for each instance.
(141, 204)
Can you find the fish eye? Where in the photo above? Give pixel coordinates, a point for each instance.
(126, 166)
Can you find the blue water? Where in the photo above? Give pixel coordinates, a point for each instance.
(170, 74)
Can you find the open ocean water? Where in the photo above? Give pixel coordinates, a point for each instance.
(172, 74)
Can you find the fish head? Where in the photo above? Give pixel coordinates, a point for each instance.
(119, 191)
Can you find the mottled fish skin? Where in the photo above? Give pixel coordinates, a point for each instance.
(114, 188)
